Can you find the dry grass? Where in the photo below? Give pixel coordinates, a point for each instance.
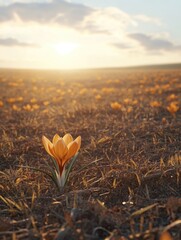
(126, 183)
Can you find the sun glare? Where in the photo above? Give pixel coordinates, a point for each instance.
(65, 48)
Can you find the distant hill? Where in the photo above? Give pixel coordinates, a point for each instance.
(160, 66)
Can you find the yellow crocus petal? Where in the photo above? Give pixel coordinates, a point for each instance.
(165, 236)
(47, 144)
(78, 141)
(68, 138)
(57, 159)
(55, 138)
(60, 149)
(72, 150)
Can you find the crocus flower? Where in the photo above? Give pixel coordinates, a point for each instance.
(173, 107)
(116, 106)
(155, 104)
(62, 149)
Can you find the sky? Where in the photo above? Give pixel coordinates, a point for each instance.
(75, 34)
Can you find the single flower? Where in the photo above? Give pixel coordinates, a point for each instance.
(173, 107)
(155, 104)
(116, 106)
(62, 149)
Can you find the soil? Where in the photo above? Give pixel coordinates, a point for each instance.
(126, 182)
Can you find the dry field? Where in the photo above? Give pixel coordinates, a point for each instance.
(126, 182)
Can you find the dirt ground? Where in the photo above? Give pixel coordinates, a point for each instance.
(126, 182)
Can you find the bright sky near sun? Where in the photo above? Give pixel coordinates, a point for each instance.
(59, 34)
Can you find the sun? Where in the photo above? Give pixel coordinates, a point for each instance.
(65, 48)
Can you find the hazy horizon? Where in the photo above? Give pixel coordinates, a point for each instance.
(164, 65)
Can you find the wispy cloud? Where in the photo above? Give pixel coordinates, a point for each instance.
(147, 19)
(57, 11)
(67, 14)
(122, 46)
(152, 44)
(62, 12)
(108, 20)
(12, 42)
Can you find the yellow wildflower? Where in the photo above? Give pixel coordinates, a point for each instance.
(155, 104)
(172, 97)
(173, 107)
(98, 97)
(62, 149)
(116, 105)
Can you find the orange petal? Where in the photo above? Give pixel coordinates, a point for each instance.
(165, 236)
(68, 138)
(72, 150)
(60, 148)
(47, 144)
(54, 155)
(55, 139)
(78, 141)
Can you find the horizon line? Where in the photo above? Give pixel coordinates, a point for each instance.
(177, 64)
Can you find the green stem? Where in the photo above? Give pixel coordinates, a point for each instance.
(70, 167)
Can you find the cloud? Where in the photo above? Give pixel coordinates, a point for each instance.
(108, 19)
(154, 44)
(57, 11)
(68, 14)
(147, 19)
(122, 46)
(12, 42)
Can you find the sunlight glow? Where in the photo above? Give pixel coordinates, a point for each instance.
(65, 48)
